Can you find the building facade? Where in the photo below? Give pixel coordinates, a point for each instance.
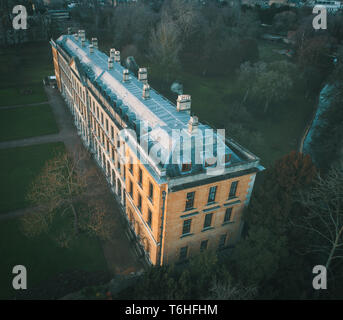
(182, 186)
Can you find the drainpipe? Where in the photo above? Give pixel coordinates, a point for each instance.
(89, 129)
(162, 221)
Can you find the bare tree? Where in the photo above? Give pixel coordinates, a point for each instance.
(228, 291)
(165, 46)
(324, 220)
(263, 81)
(185, 14)
(274, 86)
(97, 220)
(131, 25)
(65, 189)
(248, 75)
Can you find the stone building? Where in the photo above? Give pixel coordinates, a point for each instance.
(177, 201)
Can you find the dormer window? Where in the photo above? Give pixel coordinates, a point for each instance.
(186, 167)
(209, 162)
(228, 157)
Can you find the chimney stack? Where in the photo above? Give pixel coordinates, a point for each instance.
(91, 49)
(95, 43)
(184, 103)
(117, 56)
(143, 75)
(112, 53)
(193, 124)
(146, 91)
(110, 63)
(82, 35)
(125, 75)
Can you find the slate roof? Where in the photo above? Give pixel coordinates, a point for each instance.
(158, 113)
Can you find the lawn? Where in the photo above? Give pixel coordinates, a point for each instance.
(25, 64)
(22, 68)
(42, 258)
(25, 122)
(19, 167)
(22, 94)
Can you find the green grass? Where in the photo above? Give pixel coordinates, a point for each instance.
(266, 50)
(24, 122)
(19, 167)
(24, 67)
(31, 62)
(41, 256)
(11, 96)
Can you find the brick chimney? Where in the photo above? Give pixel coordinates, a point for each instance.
(184, 103)
(125, 75)
(143, 75)
(110, 63)
(146, 91)
(95, 43)
(193, 124)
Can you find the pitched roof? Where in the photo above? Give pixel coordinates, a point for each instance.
(156, 112)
